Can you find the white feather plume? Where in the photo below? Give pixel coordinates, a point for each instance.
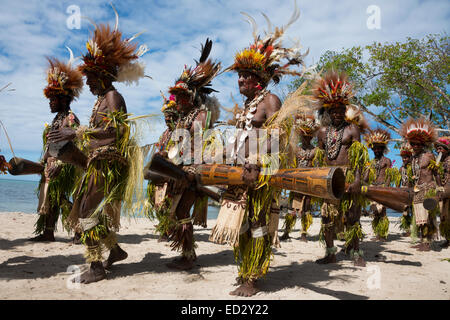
(131, 72)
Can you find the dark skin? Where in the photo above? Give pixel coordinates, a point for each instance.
(113, 102)
(445, 161)
(406, 160)
(185, 104)
(248, 86)
(351, 134)
(100, 136)
(385, 163)
(57, 104)
(440, 149)
(426, 176)
(306, 145)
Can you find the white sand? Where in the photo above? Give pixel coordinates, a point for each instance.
(40, 270)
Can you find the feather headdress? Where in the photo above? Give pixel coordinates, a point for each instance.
(265, 55)
(406, 150)
(443, 142)
(63, 78)
(198, 79)
(420, 130)
(306, 124)
(333, 90)
(169, 104)
(377, 137)
(113, 56)
(355, 115)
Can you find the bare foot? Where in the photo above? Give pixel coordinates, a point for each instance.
(247, 289)
(285, 237)
(303, 238)
(116, 254)
(331, 258)
(359, 262)
(424, 247)
(181, 264)
(406, 234)
(76, 238)
(95, 273)
(163, 238)
(416, 246)
(45, 237)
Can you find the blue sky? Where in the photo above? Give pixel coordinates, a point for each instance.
(34, 29)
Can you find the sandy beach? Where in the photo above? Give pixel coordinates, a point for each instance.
(43, 270)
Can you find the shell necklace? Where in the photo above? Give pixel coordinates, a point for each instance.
(244, 119)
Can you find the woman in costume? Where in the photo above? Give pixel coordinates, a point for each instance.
(113, 157)
(308, 156)
(377, 140)
(162, 195)
(195, 106)
(442, 147)
(64, 84)
(339, 137)
(421, 134)
(406, 221)
(255, 202)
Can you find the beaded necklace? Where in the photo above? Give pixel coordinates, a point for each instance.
(334, 140)
(244, 119)
(415, 166)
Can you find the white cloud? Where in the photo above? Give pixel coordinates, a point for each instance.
(32, 30)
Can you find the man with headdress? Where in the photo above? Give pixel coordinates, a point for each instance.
(377, 140)
(442, 146)
(197, 112)
(257, 66)
(308, 156)
(64, 84)
(160, 193)
(405, 182)
(4, 165)
(100, 192)
(421, 134)
(340, 139)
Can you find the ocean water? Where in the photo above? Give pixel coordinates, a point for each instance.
(18, 195)
(21, 196)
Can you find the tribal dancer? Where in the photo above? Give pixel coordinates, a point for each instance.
(161, 194)
(377, 140)
(442, 147)
(64, 84)
(195, 106)
(420, 133)
(406, 221)
(257, 66)
(4, 166)
(308, 156)
(340, 139)
(104, 185)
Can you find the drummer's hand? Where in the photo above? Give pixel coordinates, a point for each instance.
(250, 174)
(62, 134)
(180, 185)
(355, 187)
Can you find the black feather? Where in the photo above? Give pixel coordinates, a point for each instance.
(205, 51)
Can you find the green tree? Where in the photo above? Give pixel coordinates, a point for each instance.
(405, 79)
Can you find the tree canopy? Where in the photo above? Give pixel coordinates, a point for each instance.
(395, 81)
